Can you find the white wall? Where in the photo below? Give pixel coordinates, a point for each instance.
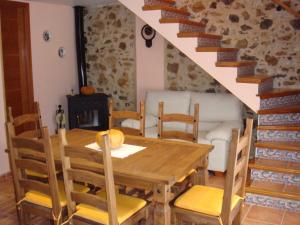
(53, 77)
(149, 63)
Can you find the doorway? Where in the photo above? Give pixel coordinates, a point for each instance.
(16, 50)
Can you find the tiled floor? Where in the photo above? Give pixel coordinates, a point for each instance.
(257, 215)
(252, 215)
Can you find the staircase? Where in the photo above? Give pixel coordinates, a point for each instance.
(275, 171)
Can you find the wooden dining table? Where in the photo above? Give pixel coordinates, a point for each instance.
(157, 168)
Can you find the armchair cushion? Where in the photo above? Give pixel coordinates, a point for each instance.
(150, 121)
(151, 132)
(174, 102)
(216, 107)
(205, 126)
(223, 131)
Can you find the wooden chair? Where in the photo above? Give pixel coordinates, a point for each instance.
(44, 199)
(208, 205)
(182, 118)
(115, 116)
(95, 167)
(27, 125)
(184, 182)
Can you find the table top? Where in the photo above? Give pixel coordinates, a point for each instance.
(163, 160)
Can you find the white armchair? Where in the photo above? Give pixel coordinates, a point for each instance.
(219, 113)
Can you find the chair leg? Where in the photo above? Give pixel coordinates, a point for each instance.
(19, 215)
(176, 219)
(238, 219)
(54, 222)
(23, 217)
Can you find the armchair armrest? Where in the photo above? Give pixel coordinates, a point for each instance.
(224, 130)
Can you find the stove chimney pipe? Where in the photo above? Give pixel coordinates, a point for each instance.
(80, 46)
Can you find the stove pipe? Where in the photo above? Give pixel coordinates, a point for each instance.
(80, 46)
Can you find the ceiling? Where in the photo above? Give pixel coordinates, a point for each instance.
(78, 2)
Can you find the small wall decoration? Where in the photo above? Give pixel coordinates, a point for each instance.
(61, 52)
(148, 33)
(47, 36)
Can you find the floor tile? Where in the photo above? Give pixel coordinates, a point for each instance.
(256, 222)
(291, 218)
(216, 181)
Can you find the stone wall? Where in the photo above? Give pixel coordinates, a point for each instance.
(110, 46)
(264, 34)
(183, 74)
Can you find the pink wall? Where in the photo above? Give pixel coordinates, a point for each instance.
(149, 63)
(53, 77)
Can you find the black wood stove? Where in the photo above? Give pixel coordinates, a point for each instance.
(85, 112)
(88, 112)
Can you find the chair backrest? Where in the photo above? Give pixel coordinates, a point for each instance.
(92, 167)
(37, 156)
(182, 118)
(115, 116)
(27, 125)
(237, 168)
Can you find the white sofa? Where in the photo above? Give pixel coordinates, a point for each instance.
(219, 113)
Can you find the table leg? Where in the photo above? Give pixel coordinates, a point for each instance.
(201, 176)
(162, 210)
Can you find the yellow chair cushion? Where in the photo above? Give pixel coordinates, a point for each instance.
(126, 207)
(203, 199)
(183, 178)
(41, 199)
(37, 174)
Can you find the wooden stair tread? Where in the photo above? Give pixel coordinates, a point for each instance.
(279, 92)
(275, 166)
(216, 49)
(280, 110)
(270, 192)
(280, 127)
(182, 21)
(235, 63)
(198, 35)
(169, 1)
(166, 8)
(253, 79)
(289, 146)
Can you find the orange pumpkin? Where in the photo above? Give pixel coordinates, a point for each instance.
(87, 90)
(116, 138)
